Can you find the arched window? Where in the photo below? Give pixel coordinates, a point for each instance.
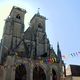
(40, 25)
(18, 16)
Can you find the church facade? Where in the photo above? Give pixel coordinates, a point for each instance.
(27, 55)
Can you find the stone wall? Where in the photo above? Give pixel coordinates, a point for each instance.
(1, 73)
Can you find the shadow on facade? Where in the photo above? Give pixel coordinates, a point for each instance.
(54, 75)
(38, 73)
(20, 73)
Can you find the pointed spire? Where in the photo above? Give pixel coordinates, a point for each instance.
(38, 11)
(59, 52)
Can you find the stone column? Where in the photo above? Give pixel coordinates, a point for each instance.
(7, 69)
(13, 73)
(9, 74)
(25, 62)
(4, 74)
(50, 73)
(13, 68)
(46, 71)
(31, 71)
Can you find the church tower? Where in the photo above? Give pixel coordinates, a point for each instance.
(13, 30)
(27, 55)
(38, 26)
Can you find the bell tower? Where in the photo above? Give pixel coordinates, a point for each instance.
(15, 22)
(13, 30)
(38, 27)
(38, 22)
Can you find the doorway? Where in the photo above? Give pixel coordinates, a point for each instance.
(20, 72)
(54, 76)
(38, 73)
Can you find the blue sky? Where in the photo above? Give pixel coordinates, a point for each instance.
(63, 24)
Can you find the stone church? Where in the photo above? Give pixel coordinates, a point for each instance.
(28, 55)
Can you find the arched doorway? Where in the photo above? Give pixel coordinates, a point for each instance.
(38, 73)
(20, 73)
(54, 76)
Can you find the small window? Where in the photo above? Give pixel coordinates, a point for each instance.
(40, 25)
(18, 16)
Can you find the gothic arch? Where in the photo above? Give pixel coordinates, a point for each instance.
(20, 72)
(40, 25)
(18, 16)
(39, 73)
(54, 75)
(55, 72)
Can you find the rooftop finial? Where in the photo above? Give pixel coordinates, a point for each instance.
(38, 11)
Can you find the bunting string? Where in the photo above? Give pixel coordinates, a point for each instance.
(76, 54)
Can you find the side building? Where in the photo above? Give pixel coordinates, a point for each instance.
(73, 72)
(27, 55)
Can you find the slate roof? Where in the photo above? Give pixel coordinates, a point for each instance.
(75, 70)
